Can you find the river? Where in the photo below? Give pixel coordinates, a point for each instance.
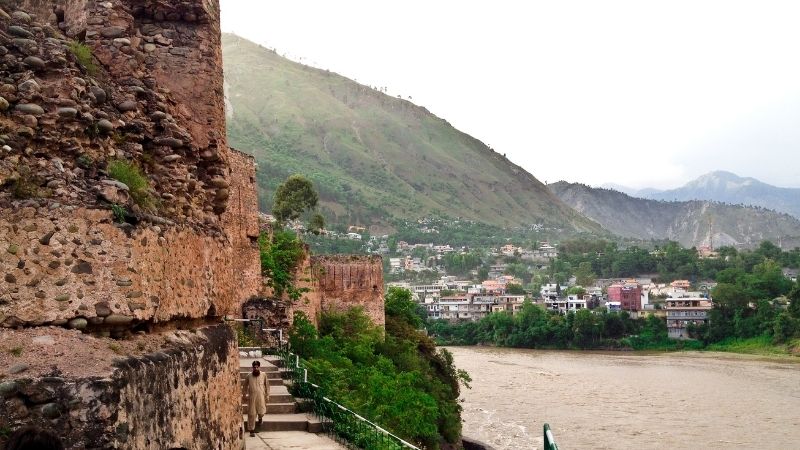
(602, 400)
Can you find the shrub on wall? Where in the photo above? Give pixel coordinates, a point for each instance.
(281, 254)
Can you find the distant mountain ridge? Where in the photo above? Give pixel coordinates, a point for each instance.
(691, 223)
(728, 187)
(372, 157)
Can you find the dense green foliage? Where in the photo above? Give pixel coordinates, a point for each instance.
(372, 157)
(749, 282)
(398, 380)
(669, 261)
(461, 263)
(321, 245)
(280, 255)
(534, 327)
(745, 306)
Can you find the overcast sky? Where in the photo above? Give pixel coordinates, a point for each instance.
(638, 93)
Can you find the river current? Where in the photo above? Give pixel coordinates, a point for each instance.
(621, 400)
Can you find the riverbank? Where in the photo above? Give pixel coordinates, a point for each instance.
(761, 345)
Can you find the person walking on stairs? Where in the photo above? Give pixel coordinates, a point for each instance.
(258, 394)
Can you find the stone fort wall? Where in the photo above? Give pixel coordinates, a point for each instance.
(334, 282)
(72, 275)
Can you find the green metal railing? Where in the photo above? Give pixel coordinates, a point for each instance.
(549, 440)
(338, 421)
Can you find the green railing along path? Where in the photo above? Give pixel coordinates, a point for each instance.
(338, 421)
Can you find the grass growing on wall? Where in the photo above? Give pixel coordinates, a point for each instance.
(83, 54)
(130, 175)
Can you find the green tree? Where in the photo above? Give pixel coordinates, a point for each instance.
(576, 290)
(316, 224)
(399, 304)
(515, 289)
(794, 301)
(584, 275)
(280, 256)
(293, 197)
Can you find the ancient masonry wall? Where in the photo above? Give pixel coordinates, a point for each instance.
(340, 282)
(177, 395)
(72, 277)
(333, 282)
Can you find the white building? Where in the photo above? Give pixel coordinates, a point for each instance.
(549, 290)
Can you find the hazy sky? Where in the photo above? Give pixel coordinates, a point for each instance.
(639, 93)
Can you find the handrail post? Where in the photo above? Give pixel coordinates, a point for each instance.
(549, 440)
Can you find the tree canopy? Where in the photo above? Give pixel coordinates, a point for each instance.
(294, 197)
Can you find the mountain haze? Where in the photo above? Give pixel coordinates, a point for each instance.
(727, 187)
(373, 157)
(689, 222)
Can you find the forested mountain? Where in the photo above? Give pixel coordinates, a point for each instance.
(373, 157)
(689, 222)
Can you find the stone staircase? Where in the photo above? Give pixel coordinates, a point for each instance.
(283, 412)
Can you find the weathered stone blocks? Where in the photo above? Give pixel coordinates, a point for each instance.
(179, 391)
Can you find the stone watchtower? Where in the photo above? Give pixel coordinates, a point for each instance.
(127, 226)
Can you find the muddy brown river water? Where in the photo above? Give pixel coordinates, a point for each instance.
(600, 400)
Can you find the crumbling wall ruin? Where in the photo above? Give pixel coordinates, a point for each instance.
(174, 390)
(330, 283)
(340, 282)
(84, 260)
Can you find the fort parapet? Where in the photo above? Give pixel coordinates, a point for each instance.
(332, 283)
(85, 259)
(346, 281)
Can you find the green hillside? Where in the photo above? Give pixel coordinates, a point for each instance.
(373, 157)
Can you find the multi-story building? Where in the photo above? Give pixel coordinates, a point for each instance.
(575, 304)
(472, 306)
(463, 308)
(681, 285)
(557, 304)
(628, 294)
(684, 308)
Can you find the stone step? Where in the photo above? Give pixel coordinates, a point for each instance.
(288, 422)
(273, 398)
(276, 408)
(274, 360)
(276, 382)
(270, 375)
(277, 394)
(266, 365)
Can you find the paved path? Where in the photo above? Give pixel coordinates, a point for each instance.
(286, 440)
